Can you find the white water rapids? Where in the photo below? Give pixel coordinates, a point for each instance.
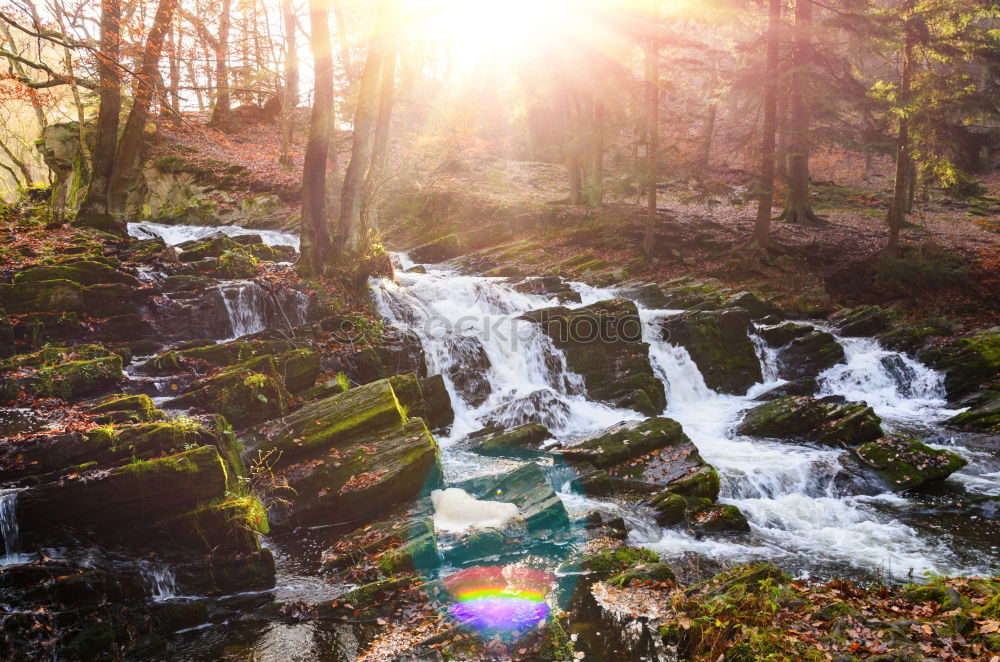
(798, 515)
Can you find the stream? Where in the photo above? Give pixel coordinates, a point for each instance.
(504, 371)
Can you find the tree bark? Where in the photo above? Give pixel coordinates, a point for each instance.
(93, 210)
(380, 148)
(175, 70)
(897, 211)
(291, 91)
(350, 228)
(652, 80)
(762, 226)
(571, 146)
(316, 246)
(798, 208)
(126, 159)
(595, 190)
(220, 112)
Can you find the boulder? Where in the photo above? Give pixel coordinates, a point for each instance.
(137, 494)
(522, 441)
(83, 272)
(862, 321)
(802, 418)
(126, 409)
(983, 413)
(603, 344)
(109, 299)
(967, 363)
(904, 463)
(468, 369)
(648, 296)
(757, 308)
(73, 379)
(809, 355)
(424, 398)
(298, 369)
(719, 344)
(246, 394)
(212, 355)
(187, 283)
(209, 247)
(779, 335)
(543, 407)
(42, 296)
(397, 352)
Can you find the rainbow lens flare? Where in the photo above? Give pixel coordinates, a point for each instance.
(499, 597)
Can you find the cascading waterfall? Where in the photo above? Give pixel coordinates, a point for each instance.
(178, 234)
(159, 579)
(9, 528)
(787, 491)
(245, 303)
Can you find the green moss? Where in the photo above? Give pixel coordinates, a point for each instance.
(127, 409)
(643, 573)
(617, 560)
(420, 553)
(74, 378)
(703, 484)
(903, 462)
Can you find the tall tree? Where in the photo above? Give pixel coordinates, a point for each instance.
(797, 206)
(350, 231)
(380, 143)
(126, 161)
(291, 82)
(220, 112)
(93, 210)
(897, 211)
(762, 226)
(652, 81)
(317, 248)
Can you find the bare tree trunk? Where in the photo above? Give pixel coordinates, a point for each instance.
(344, 43)
(897, 211)
(81, 116)
(126, 159)
(175, 70)
(316, 246)
(705, 151)
(291, 96)
(380, 148)
(762, 226)
(18, 163)
(19, 68)
(571, 145)
(93, 210)
(652, 80)
(595, 191)
(220, 113)
(798, 208)
(362, 142)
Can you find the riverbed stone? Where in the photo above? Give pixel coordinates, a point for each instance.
(804, 418)
(983, 413)
(603, 344)
(126, 409)
(424, 398)
(719, 344)
(809, 355)
(904, 463)
(42, 296)
(968, 363)
(246, 394)
(521, 441)
(862, 321)
(779, 335)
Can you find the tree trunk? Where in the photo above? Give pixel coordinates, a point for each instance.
(291, 96)
(362, 143)
(762, 226)
(571, 146)
(595, 190)
(220, 113)
(897, 211)
(175, 71)
(797, 207)
(93, 210)
(126, 159)
(381, 144)
(705, 152)
(315, 232)
(345, 44)
(652, 80)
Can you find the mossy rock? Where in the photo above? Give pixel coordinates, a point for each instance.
(720, 345)
(780, 335)
(420, 553)
(42, 296)
(83, 272)
(670, 508)
(522, 441)
(424, 398)
(862, 321)
(799, 417)
(644, 573)
(230, 524)
(73, 379)
(378, 537)
(246, 394)
(126, 409)
(212, 355)
(52, 355)
(610, 562)
(968, 362)
(809, 355)
(904, 463)
(626, 442)
(719, 518)
(298, 369)
(187, 283)
(209, 247)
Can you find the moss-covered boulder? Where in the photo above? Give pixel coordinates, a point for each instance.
(522, 441)
(187, 283)
(968, 363)
(137, 494)
(779, 335)
(228, 524)
(862, 321)
(207, 355)
(83, 272)
(904, 463)
(802, 418)
(42, 296)
(126, 409)
(757, 307)
(209, 247)
(603, 344)
(298, 368)
(718, 518)
(809, 355)
(426, 398)
(608, 563)
(719, 344)
(247, 393)
(109, 299)
(74, 379)
(983, 413)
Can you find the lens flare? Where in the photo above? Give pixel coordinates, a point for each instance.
(499, 597)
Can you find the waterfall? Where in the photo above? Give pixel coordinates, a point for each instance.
(252, 309)
(159, 580)
(789, 492)
(178, 234)
(8, 527)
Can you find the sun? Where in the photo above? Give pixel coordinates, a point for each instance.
(480, 30)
